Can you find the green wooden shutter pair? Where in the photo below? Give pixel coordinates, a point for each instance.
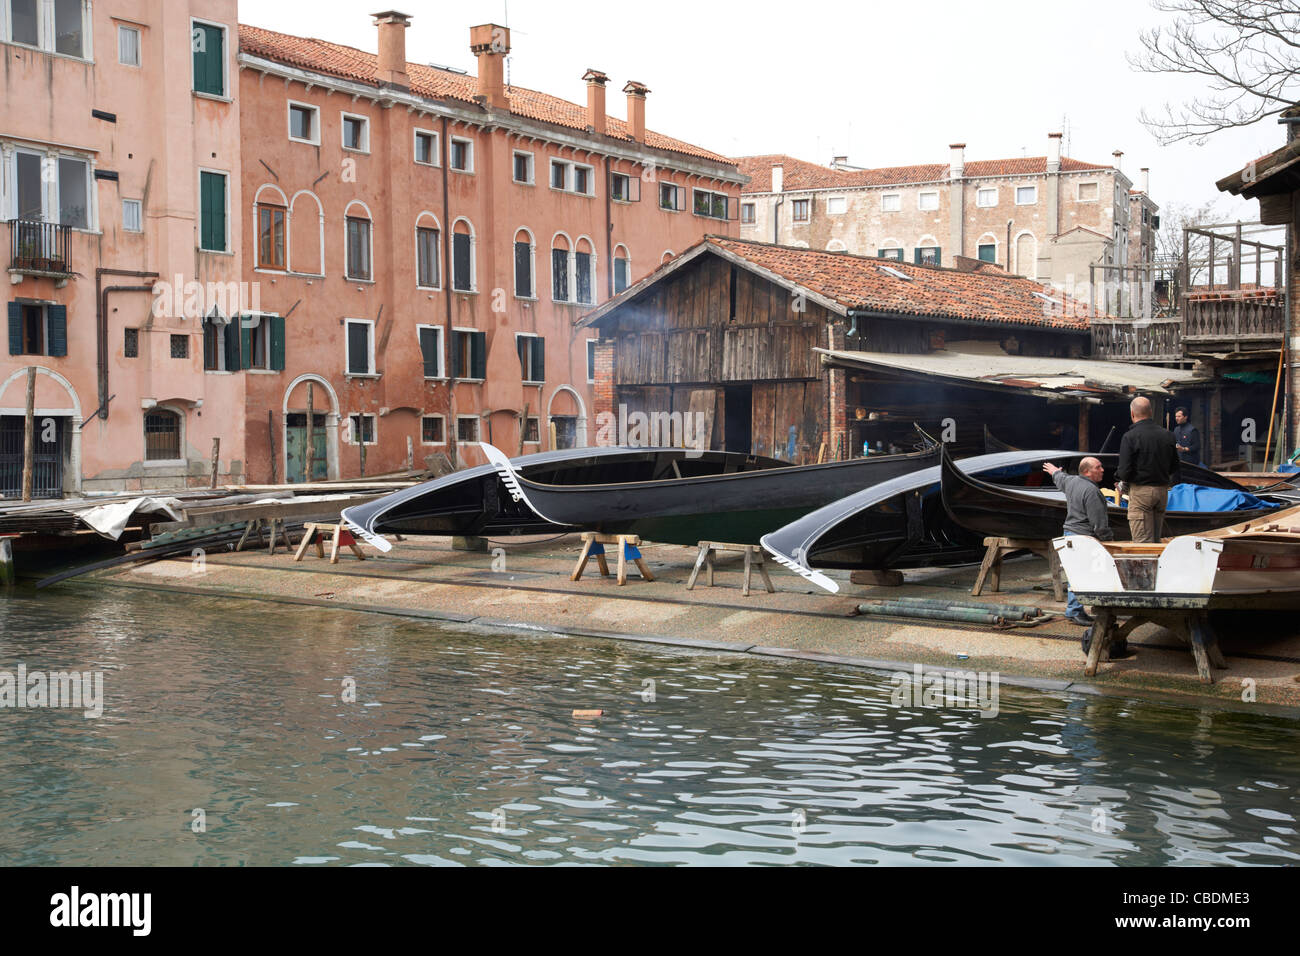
(209, 59)
(429, 350)
(212, 212)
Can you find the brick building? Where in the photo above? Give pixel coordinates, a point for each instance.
(1046, 218)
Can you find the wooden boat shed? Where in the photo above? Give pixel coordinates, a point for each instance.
(802, 354)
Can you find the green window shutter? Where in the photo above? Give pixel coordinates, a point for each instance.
(478, 355)
(15, 329)
(456, 339)
(429, 351)
(539, 360)
(521, 346)
(58, 326)
(277, 343)
(212, 212)
(232, 346)
(209, 60)
(938, 255)
(245, 345)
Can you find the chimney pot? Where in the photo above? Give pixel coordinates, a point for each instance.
(392, 48)
(596, 81)
(1119, 155)
(1144, 180)
(636, 109)
(778, 177)
(490, 43)
(957, 160)
(1054, 152)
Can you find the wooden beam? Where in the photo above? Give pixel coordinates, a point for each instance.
(29, 434)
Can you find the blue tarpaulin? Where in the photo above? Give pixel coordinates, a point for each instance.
(1199, 498)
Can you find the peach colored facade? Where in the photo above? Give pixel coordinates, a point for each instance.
(397, 178)
(146, 141)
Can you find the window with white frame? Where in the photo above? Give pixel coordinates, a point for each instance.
(836, 205)
(426, 147)
(428, 253)
(60, 26)
(624, 188)
(711, 205)
(433, 430)
(462, 155)
(523, 168)
(464, 273)
(572, 177)
(986, 197)
(1087, 192)
(358, 233)
(208, 47)
(132, 215)
(532, 356)
(622, 269)
(747, 213)
(304, 123)
(360, 346)
(356, 133)
(1026, 195)
(584, 273)
(524, 258)
(672, 198)
(927, 201)
(532, 431)
(800, 210)
(561, 273)
(214, 211)
(162, 435)
(361, 429)
(431, 350)
(128, 45)
(469, 354)
(891, 202)
(51, 187)
(591, 361)
(467, 428)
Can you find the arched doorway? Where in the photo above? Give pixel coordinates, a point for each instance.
(568, 414)
(58, 415)
(324, 459)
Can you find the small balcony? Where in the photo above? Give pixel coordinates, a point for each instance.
(1235, 320)
(39, 248)
(1137, 340)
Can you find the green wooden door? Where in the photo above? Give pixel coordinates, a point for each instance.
(296, 447)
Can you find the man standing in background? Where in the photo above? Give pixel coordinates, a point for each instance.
(1186, 438)
(1085, 514)
(1148, 465)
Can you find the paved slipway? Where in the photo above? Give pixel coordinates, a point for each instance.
(531, 591)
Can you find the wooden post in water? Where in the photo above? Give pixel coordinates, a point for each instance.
(29, 435)
(216, 460)
(311, 437)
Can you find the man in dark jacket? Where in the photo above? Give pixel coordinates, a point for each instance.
(1186, 438)
(1085, 514)
(1148, 465)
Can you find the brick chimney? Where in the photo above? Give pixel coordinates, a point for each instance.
(490, 43)
(778, 177)
(839, 162)
(1054, 152)
(392, 48)
(596, 81)
(1144, 180)
(1119, 155)
(636, 109)
(956, 160)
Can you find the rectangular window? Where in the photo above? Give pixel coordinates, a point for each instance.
(620, 274)
(358, 264)
(356, 133)
(747, 212)
(361, 336)
(68, 26)
(532, 357)
(74, 193)
(361, 429)
(799, 209)
(560, 275)
(128, 45)
(927, 201)
(261, 342)
(559, 174)
(22, 22)
(524, 270)
(304, 123)
(466, 428)
(891, 202)
(713, 205)
(582, 180)
(591, 360)
(209, 45)
(462, 155)
(433, 430)
(890, 253)
(523, 168)
(30, 186)
(1087, 192)
(532, 431)
(212, 212)
(988, 252)
(426, 148)
(431, 350)
(469, 354)
(582, 268)
(986, 197)
(620, 187)
(570, 177)
(38, 329)
(180, 345)
(1026, 195)
(162, 435)
(836, 206)
(133, 215)
(131, 343)
(927, 255)
(426, 258)
(270, 237)
(462, 262)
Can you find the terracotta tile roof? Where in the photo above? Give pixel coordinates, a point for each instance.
(799, 174)
(348, 63)
(859, 282)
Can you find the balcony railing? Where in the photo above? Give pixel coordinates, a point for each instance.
(39, 247)
(1135, 340)
(1243, 318)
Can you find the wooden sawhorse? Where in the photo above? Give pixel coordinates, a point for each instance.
(999, 548)
(753, 554)
(276, 526)
(1192, 626)
(338, 535)
(593, 546)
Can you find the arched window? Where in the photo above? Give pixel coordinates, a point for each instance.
(428, 252)
(667, 256)
(622, 269)
(561, 278)
(1027, 255)
(524, 265)
(358, 244)
(162, 435)
(584, 272)
(987, 248)
(836, 245)
(272, 211)
(462, 256)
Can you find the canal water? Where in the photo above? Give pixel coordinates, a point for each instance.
(253, 733)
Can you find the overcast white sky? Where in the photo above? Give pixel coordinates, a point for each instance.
(887, 83)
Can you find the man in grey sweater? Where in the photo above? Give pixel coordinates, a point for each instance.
(1085, 515)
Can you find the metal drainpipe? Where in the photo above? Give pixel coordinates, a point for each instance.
(776, 221)
(609, 240)
(447, 344)
(101, 324)
(1009, 222)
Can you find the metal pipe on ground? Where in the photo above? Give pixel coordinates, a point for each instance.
(956, 615)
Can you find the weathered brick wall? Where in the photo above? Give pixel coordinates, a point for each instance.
(604, 388)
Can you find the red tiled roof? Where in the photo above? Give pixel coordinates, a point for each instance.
(859, 282)
(799, 174)
(348, 63)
